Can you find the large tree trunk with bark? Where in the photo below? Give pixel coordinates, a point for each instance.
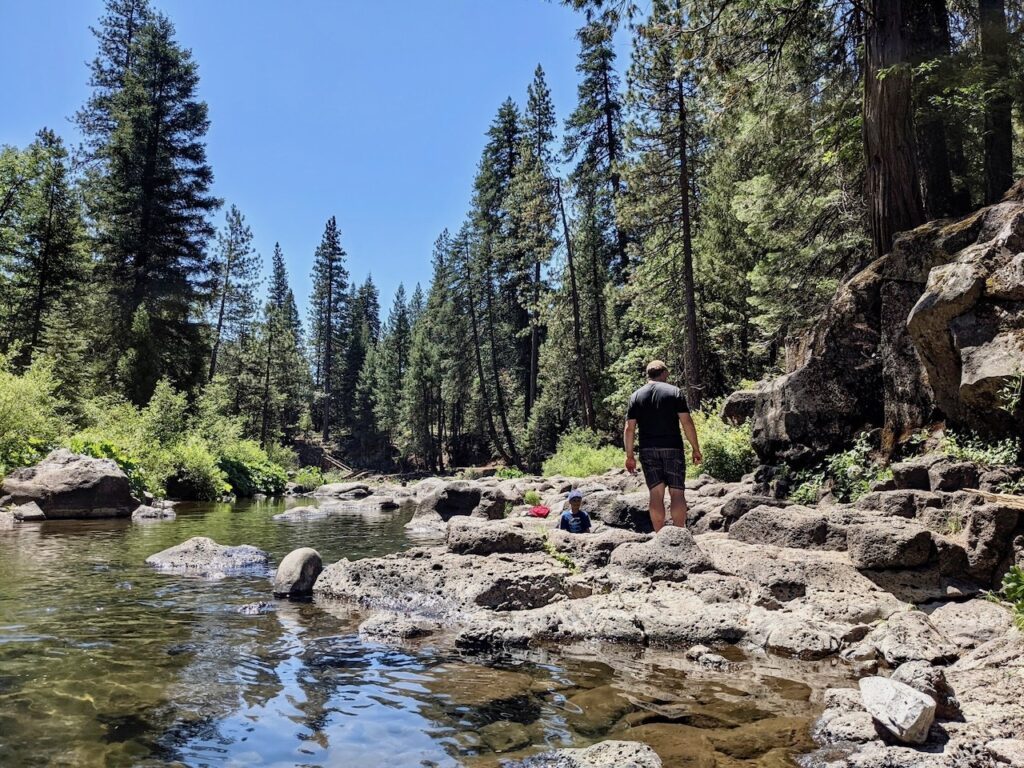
(893, 189)
(691, 359)
(998, 107)
(929, 42)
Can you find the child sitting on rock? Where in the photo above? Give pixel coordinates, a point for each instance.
(574, 519)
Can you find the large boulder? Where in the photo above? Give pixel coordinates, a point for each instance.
(932, 330)
(471, 536)
(67, 485)
(439, 502)
(738, 408)
(297, 573)
(621, 510)
(204, 557)
(903, 711)
(892, 543)
(795, 527)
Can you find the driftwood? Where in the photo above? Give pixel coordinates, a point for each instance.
(1005, 499)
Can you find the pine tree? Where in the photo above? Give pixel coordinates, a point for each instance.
(236, 268)
(149, 200)
(329, 318)
(49, 257)
(392, 361)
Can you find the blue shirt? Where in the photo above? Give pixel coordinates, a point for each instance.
(574, 523)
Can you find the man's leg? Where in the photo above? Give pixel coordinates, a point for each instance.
(679, 508)
(657, 506)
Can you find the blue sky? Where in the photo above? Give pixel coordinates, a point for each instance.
(372, 111)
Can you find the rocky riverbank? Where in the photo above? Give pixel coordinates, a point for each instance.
(891, 588)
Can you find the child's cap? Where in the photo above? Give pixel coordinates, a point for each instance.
(575, 494)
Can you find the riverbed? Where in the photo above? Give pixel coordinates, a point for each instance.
(107, 662)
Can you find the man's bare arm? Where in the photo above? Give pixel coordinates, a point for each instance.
(628, 435)
(690, 430)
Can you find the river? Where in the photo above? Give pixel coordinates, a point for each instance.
(107, 662)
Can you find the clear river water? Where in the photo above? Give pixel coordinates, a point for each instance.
(106, 662)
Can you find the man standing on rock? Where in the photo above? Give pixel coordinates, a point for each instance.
(660, 409)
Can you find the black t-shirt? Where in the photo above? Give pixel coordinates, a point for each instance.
(656, 407)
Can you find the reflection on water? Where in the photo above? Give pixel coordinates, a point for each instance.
(104, 661)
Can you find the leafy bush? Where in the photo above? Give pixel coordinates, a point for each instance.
(195, 472)
(727, 449)
(283, 456)
(970, 448)
(509, 473)
(1013, 591)
(249, 471)
(98, 448)
(532, 498)
(30, 424)
(849, 475)
(580, 454)
(308, 479)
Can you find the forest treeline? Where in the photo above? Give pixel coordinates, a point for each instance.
(700, 204)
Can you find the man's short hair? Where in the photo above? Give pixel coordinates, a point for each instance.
(656, 369)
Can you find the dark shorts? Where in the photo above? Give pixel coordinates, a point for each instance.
(664, 465)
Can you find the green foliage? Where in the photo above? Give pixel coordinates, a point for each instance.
(1013, 487)
(249, 471)
(848, 475)
(308, 479)
(1013, 591)
(129, 464)
(532, 498)
(580, 454)
(509, 473)
(1011, 393)
(727, 449)
(564, 559)
(974, 449)
(29, 420)
(196, 472)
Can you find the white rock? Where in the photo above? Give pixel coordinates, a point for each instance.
(905, 712)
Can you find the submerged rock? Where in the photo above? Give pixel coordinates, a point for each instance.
(607, 754)
(67, 485)
(202, 556)
(29, 513)
(147, 513)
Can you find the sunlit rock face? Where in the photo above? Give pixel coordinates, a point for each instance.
(932, 331)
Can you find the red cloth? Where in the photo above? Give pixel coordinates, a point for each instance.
(539, 511)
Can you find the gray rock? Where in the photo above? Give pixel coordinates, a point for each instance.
(905, 712)
(66, 485)
(913, 475)
(671, 555)
(606, 754)
(990, 529)
(910, 636)
(899, 503)
(29, 513)
(1007, 751)
(257, 609)
(738, 503)
(969, 624)
(297, 573)
(440, 502)
(471, 536)
(147, 513)
(794, 527)
(952, 476)
(591, 551)
(629, 511)
(738, 408)
(202, 556)
(389, 626)
(888, 544)
(351, 490)
(931, 681)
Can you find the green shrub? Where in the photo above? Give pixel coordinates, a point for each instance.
(848, 475)
(249, 471)
(308, 479)
(283, 456)
(141, 481)
(970, 448)
(807, 490)
(195, 472)
(1013, 591)
(532, 498)
(580, 454)
(509, 473)
(727, 449)
(30, 424)
(1013, 487)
